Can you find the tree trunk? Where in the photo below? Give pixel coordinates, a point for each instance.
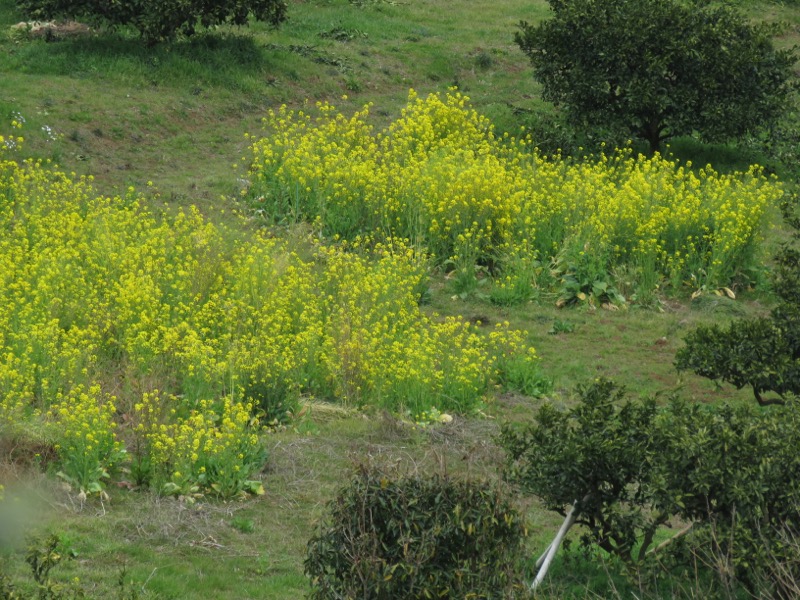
(652, 133)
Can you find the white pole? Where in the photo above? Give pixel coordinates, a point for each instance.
(551, 552)
(540, 560)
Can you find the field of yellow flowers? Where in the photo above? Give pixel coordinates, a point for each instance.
(163, 345)
(439, 177)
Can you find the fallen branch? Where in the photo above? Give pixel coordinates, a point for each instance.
(667, 542)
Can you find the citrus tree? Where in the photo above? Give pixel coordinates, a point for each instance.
(628, 471)
(655, 69)
(763, 352)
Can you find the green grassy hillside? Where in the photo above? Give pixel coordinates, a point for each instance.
(171, 122)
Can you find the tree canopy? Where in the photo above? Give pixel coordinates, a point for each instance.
(763, 353)
(655, 69)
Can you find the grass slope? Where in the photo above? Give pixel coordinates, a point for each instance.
(176, 115)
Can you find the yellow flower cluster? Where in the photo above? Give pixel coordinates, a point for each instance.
(214, 448)
(97, 290)
(11, 142)
(439, 176)
(87, 444)
(379, 348)
(346, 325)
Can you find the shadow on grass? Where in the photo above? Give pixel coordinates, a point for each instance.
(725, 158)
(574, 575)
(230, 60)
(580, 572)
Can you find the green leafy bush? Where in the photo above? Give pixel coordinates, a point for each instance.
(415, 537)
(763, 353)
(157, 21)
(656, 69)
(732, 472)
(600, 454)
(630, 467)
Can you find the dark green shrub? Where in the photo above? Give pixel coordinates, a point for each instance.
(158, 21)
(733, 472)
(599, 453)
(415, 537)
(629, 467)
(656, 69)
(763, 353)
(751, 352)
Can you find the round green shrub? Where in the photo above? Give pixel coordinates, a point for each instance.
(415, 537)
